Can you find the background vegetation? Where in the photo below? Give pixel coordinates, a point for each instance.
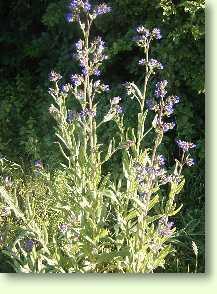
(35, 38)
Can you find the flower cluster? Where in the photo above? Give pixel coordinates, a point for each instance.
(164, 107)
(90, 61)
(102, 9)
(144, 173)
(160, 91)
(152, 63)
(28, 245)
(83, 7)
(144, 36)
(54, 76)
(159, 124)
(165, 228)
(87, 113)
(185, 146)
(190, 161)
(100, 87)
(77, 80)
(77, 7)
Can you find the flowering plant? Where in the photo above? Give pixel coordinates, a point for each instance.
(97, 224)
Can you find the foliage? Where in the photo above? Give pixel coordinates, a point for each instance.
(35, 37)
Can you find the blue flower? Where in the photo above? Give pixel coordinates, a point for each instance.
(76, 80)
(155, 64)
(156, 33)
(69, 17)
(160, 91)
(97, 72)
(161, 160)
(176, 99)
(102, 9)
(28, 245)
(169, 108)
(190, 162)
(185, 146)
(119, 109)
(165, 227)
(142, 62)
(65, 88)
(85, 71)
(168, 126)
(54, 76)
(87, 6)
(143, 31)
(74, 4)
(79, 45)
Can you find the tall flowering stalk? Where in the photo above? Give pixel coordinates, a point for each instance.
(132, 200)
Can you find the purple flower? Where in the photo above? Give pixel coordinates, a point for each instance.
(165, 227)
(97, 72)
(142, 62)
(168, 126)
(28, 245)
(155, 64)
(156, 34)
(87, 6)
(176, 99)
(85, 71)
(79, 45)
(185, 146)
(87, 112)
(190, 161)
(65, 88)
(91, 113)
(76, 80)
(169, 108)
(118, 109)
(142, 30)
(74, 4)
(54, 77)
(161, 160)
(160, 91)
(69, 17)
(100, 44)
(102, 9)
